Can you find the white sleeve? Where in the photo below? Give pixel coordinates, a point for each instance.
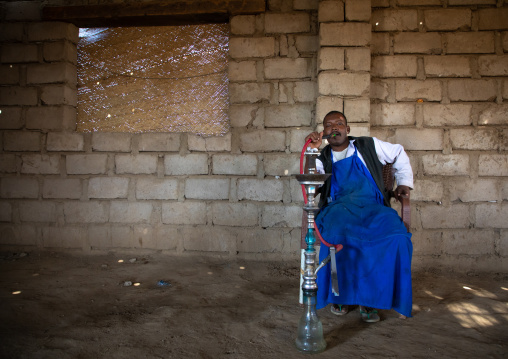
(319, 166)
(390, 153)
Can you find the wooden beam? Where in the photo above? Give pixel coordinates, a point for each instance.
(167, 12)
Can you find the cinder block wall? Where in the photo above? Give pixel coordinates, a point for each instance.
(430, 76)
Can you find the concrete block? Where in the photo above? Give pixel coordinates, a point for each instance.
(243, 25)
(326, 104)
(86, 164)
(284, 68)
(19, 187)
(122, 237)
(493, 65)
(474, 139)
(447, 19)
(394, 20)
(261, 241)
(331, 58)
(59, 95)
(130, 212)
(417, 42)
(37, 211)
(493, 19)
(505, 89)
(191, 164)
(427, 242)
(305, 91)
(108, 187)
(287, 23)
(65, 141)
(474, 190)
(269, 190)
(504, 40)
(394, 66)
(343, 84)
(418, 2)
(40, 164)
(5, 212)
(305, 4)
(210, 144)
(18, 96)
(23, 11)
(447, 66)
(242, 71)
(9, 75)
(344, 34)
(243, 47)
(263, 141)
(43, 31)
(481, 42)
(494, 114)
(447, 115)
(249, 92)
(281, 216)
(68, 188)
(296, 192)
(57, 72)
(11, 31)
(184, 213)
(297, 140)
(493, 165)
(60, 51)
(207, 188)
(20, 235)
(234, 214)
(13, 53)
(11, 118)
(357, 110)
(379, 89)
(156, 188)
(167, 237)
(357, 59)
(331, 11)
(240, 165)
(491, 215)
(502, 245)
(242, 115)
(22, 141)
(136, 164)
(8, 163)
(427, 191)
(288, 115)
(358, 10)
(380, 43)
(414, 139)
(205, 239)
(85, 212)
(306, 44)
(413, 90)
(359, 129)
(158, 142)
(392, 114)
(51, 118)
(282, 164)
(468, 242)
(472, 90)
(454, 216)
(144, 236)
(112, 142)
(63, 237)
(446, 165)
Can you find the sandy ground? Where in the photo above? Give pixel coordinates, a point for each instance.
(71, 306)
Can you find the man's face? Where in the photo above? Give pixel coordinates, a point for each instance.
(335, 124)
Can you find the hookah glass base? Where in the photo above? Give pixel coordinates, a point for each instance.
(310, 330)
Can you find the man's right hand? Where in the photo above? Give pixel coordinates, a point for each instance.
(316, 139)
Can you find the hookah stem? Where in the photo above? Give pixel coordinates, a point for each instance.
(303, 189)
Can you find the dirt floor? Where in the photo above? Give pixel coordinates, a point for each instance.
(58, 305)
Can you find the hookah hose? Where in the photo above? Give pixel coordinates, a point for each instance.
(338, 247)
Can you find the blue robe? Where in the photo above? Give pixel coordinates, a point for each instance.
(374, 266)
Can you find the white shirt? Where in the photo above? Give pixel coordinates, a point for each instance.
(386, 153)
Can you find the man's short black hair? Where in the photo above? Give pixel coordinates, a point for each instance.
(336, 113)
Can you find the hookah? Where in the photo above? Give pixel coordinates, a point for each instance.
(310, 337)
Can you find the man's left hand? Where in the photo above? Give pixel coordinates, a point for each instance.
(401, 191)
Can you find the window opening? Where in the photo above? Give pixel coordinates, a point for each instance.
(154, 79)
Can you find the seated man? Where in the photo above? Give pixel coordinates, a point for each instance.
(374, 266)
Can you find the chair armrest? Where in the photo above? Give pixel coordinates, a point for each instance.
(405, 210)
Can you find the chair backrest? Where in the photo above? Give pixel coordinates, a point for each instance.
(388, 176)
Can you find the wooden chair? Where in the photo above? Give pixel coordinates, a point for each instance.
(389, 181)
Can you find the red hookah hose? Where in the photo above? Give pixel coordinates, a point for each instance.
(338, 247)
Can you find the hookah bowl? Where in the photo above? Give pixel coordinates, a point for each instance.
(310, 337)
